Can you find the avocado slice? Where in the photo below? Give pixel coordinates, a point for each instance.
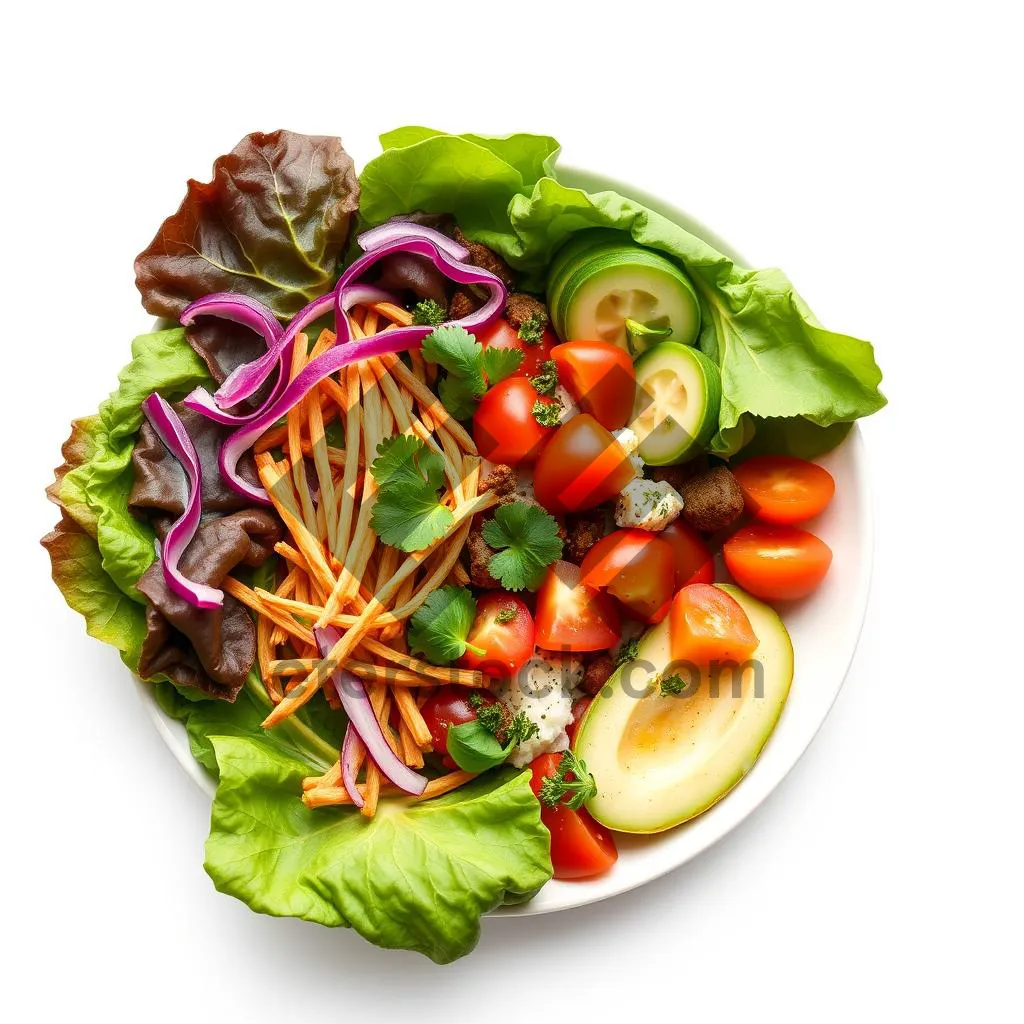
(660, 760)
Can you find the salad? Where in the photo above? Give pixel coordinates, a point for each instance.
(409, 509)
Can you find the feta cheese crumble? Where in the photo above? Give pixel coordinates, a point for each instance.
(648, 505)
(543, 690)
(629, 442)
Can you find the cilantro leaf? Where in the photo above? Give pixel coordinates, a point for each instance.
(438, 629)
(457, 397)
(526, 540)
(457, 351)
(499, 363)
(407, 514)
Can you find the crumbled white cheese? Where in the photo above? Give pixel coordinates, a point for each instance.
(568, 404)
(543, 689)
(648, 505)
(627, 439)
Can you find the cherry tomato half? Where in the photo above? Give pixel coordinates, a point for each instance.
(781, 489)
(581, 466)
(600, 377)
(501, 334)
(503, 629)
(504, 427)
(706, 625)
(580, 847)
(693, 560)
(572, 616)
(447, 707)
(635, 566)
(775, 562)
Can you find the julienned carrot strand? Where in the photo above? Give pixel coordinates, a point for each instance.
(318, 441)
(353, 429)
(295, 418)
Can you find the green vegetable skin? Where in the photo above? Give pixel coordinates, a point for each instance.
(603, 285)
(705, 744)
(678, 395)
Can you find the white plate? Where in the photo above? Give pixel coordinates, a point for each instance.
(824, 628)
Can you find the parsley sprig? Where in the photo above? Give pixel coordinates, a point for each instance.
(531, 330)
(429, 313)
(470, 367)
(526, 540)
(571, 786)
(546, 380)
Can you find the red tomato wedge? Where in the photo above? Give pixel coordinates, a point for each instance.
(600, 377)
(502, 334)
(706, 625)
(782, 489)
(572, 616)
(692, 558)
(580, 847)
(635, 566)
(504, 427)
(581, 466)
(503, 629)
(775, 562)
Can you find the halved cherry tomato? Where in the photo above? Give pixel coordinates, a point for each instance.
(693, 561)
(635, 566)
(580, 847)
(777, 563)
(579, 709)
(506, 644)
(708, 625)
(781, 489)
(580, 467)
(572, 616)
(447, 707)
(600, 377)
(504, 427)
(502, 334)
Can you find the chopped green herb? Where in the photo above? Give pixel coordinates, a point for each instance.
(531, 330)
(547, 380)
(526, 540)
(520, 729)
(429, 313)
(474, 746)
(439, 628)
(491, 717)
(570, 792)
(547, 414)
(506, 615)
(629, 651)
(407, 513)
(671, 686)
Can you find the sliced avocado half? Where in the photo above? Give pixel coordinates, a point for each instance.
(660, 760)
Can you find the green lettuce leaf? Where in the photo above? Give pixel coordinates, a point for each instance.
(417, 876)
(777, 362)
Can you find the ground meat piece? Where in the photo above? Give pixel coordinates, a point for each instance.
(480, 553)
(501, 479)
(521, 307)
(481, 256)
(597, 674)
(712, 500)
(463, 303)
(583, 533)
(678, 475)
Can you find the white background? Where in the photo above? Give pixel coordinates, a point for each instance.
(869, 149)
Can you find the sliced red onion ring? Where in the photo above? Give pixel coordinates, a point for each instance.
(172, 432)
(396, 230)
(348, 765)
(203, 402)
(323, 366)
(460, 273)
(239, 309)
(362, 719)
(247, 379)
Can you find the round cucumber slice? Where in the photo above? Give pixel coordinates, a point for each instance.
(595, 292)
(678, 394)
(570, 257)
